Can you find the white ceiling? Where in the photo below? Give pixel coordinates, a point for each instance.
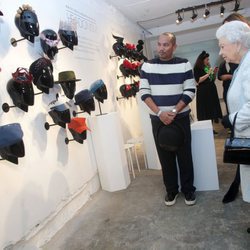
(151, 14)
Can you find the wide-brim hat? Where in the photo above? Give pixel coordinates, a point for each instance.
(67, 76)
(10, 134)
(78, 124)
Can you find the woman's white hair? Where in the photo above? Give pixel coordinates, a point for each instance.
(235, 32)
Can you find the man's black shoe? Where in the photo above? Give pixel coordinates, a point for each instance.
(170, 198)
(190, 198)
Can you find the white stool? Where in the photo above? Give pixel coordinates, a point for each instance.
(138, 142)
(129, 148)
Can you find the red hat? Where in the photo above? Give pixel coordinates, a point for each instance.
(78, 124)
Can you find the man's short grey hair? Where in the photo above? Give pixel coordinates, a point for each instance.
(235, 32)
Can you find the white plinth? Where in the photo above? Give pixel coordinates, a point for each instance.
(109, 151)
(149, 144)
(204, 156)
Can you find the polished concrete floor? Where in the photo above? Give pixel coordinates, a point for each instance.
(137, 218)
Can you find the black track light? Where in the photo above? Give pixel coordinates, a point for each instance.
(194, 15)
(207, 12)
(179, 18)
(222, 9)
(236, 6)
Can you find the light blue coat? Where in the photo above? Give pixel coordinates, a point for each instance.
(238, 99)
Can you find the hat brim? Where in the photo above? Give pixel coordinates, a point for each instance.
(72, 80)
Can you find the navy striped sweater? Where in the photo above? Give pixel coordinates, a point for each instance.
(168, 82)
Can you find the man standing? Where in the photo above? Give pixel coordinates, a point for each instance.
(167, 86)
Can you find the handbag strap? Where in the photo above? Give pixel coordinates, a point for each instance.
(232, 132)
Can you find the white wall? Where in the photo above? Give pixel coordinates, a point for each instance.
(52, 174)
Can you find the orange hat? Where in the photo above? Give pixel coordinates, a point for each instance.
(78, 124)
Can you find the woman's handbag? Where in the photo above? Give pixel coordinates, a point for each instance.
(237, 150)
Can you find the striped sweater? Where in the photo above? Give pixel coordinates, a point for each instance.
(168, 82)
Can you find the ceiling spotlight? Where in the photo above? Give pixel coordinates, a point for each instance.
(222, 9)
(207, 12)
(194, 15)
(179, 18)
(236, 6)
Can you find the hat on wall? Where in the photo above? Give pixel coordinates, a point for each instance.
(83, 96)
(11, 143)
(78, 129)
(60, 117)
(68, 34)
(27, 23)
(85, 101)
(10, 134)
(59, 112)
(68, 80)
(67, 76)
(49, 41)
(99, 90)
(78, 124)
(20, 89)
(42, 72)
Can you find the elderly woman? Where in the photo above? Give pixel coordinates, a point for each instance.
(234, 42)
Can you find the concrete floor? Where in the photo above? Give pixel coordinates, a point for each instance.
(137, 218)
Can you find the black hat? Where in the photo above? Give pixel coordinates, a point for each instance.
(42, 72)
(171, 137)
(118, 47)
(49, 41)
(67, 34)
(85, 101)
(20, 89)
(27, 23)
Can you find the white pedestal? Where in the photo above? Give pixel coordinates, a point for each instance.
(204, 156)
(109, 151)
(149, 144)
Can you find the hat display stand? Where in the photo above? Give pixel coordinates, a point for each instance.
(110, 57)
(47, 125)
(39, 93)
(64, 47)
(6, 107)
(76, 113)
(14, 42)
(67, 140)
(118, 98)
(99, 105)
(118, 77)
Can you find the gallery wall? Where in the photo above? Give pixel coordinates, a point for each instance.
(52, 174)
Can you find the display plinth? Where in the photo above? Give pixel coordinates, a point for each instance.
(108, 144)
(204, 156)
